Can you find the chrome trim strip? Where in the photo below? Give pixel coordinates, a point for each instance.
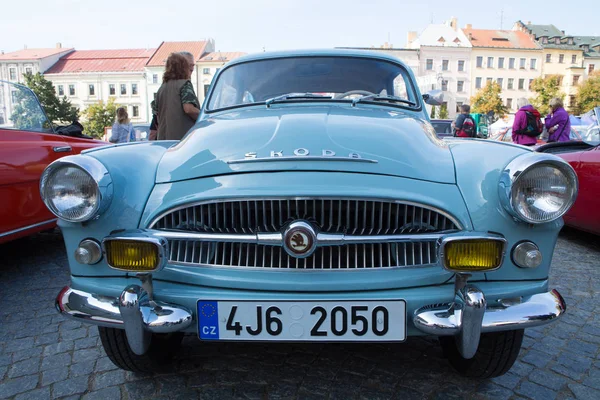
(281, 198)
(27, 227)
(301, 158)
(469, 236)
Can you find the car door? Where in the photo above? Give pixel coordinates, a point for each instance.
(27, 146)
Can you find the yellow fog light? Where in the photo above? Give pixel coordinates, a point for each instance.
(472, 255)
(133, 255)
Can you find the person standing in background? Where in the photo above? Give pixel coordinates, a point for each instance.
(520, 124)
(122, 129)
(557, 122)
(177, 106)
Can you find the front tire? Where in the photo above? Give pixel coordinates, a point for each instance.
(159, 354)
(496, 354)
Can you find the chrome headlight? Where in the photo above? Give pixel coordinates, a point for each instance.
(538, 188)
(76, 188)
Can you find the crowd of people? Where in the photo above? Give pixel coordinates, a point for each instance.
(175, 108)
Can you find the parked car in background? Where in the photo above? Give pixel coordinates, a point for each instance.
(142, 131)
(584, 157)
(317, 205)
(28, 143)
(443, 127)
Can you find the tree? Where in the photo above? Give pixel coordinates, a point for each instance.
(546, 88)
(443, 111)
(57, 110)
(588, 95)
(488, 100)
(99, 116)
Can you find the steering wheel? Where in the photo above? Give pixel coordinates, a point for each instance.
(351, 92)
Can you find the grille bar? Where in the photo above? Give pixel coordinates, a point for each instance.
(351, 256)
(349, 216)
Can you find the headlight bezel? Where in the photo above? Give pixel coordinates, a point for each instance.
(518, 167)
(95, 170)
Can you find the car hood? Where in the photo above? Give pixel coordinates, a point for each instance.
(310, 138)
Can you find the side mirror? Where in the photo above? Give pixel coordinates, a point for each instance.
(434, 97)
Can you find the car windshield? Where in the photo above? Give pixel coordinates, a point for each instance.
(312, 79)
(23, 111)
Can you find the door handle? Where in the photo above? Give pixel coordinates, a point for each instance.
(62, 149)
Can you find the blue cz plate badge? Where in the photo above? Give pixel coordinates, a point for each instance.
(354, 320)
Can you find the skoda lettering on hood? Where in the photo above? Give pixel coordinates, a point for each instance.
(312, 202)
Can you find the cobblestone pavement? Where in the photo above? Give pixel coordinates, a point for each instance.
(43, 355)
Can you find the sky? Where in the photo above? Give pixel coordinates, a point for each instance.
(256, 25)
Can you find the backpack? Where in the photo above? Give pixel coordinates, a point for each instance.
(534, 124)
(467, 129)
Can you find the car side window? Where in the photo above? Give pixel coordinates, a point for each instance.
(24, 111)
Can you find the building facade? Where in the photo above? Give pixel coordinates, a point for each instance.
(14, 65)
(508, 57)
(86, 77)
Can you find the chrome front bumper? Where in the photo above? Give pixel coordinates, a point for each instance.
(466, 318)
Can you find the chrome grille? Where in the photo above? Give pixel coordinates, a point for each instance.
(349, 216)
(352, 256)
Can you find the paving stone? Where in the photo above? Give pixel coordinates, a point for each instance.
(535, 391)
(582, 392)
(56, 361)
(548, 379)
(73, 334)
(23, 368)
(38, 394)
(60, 347)
(48, 338)
(537, 358)
(140, 389)
(54, 375)
(19, 344)
(17, 385)
(104, 364)
(82, 368)
(85, 355)
(113, 393)
(107, 379)
(70, 387)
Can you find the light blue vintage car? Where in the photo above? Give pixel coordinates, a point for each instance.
(312, 201)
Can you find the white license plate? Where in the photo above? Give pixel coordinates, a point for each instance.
(369, 321)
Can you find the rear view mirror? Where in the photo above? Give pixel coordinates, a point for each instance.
(434, 97)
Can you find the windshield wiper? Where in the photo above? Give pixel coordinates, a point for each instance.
(383, 97)
(293, 96)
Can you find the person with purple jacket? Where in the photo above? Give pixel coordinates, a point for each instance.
(520, 124)
(557, 122)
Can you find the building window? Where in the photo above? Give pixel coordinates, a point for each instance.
(12, 72)
(461, 65)
(61, 90)
(444, 65)
(572, 101)
(510, 84)
(428, 65)
(479, 62)
(557, 40)
(488, 80)
(548, 58)
(444, 85)
(14, 97)
(134, 89)
(71, 90)
(123, 89)
(206, 71)
(533, 62)
(511, 63)
(521, 84)
(135, 111)
(570, 41)
(522, 62)
(478, 83)
(500, 81)
(460, 85)
(544, 40)
(561, 58)
(490, 62)
(206, 87)
(501, 62)
(509, 104)
(458, 105)
(28, 70)
(154, 78)
(575, 80)
(574, 59)
(111, 89)
(591, 68)
(92, 90)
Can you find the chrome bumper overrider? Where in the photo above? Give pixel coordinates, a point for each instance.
(466, 318)
(133, 311)
(470, 315)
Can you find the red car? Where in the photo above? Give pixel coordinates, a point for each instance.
(584, 157)
(28, 143)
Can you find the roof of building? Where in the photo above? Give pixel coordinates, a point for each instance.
(86, 61)
(32, 54)
(221, 56)
(592, 41)
(159, 58)
(506, 39)
(552, 33)
(441, 35)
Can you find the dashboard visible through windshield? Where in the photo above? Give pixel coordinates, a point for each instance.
(312, 79)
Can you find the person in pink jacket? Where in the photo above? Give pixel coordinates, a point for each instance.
(520, 123)
(558, 122)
